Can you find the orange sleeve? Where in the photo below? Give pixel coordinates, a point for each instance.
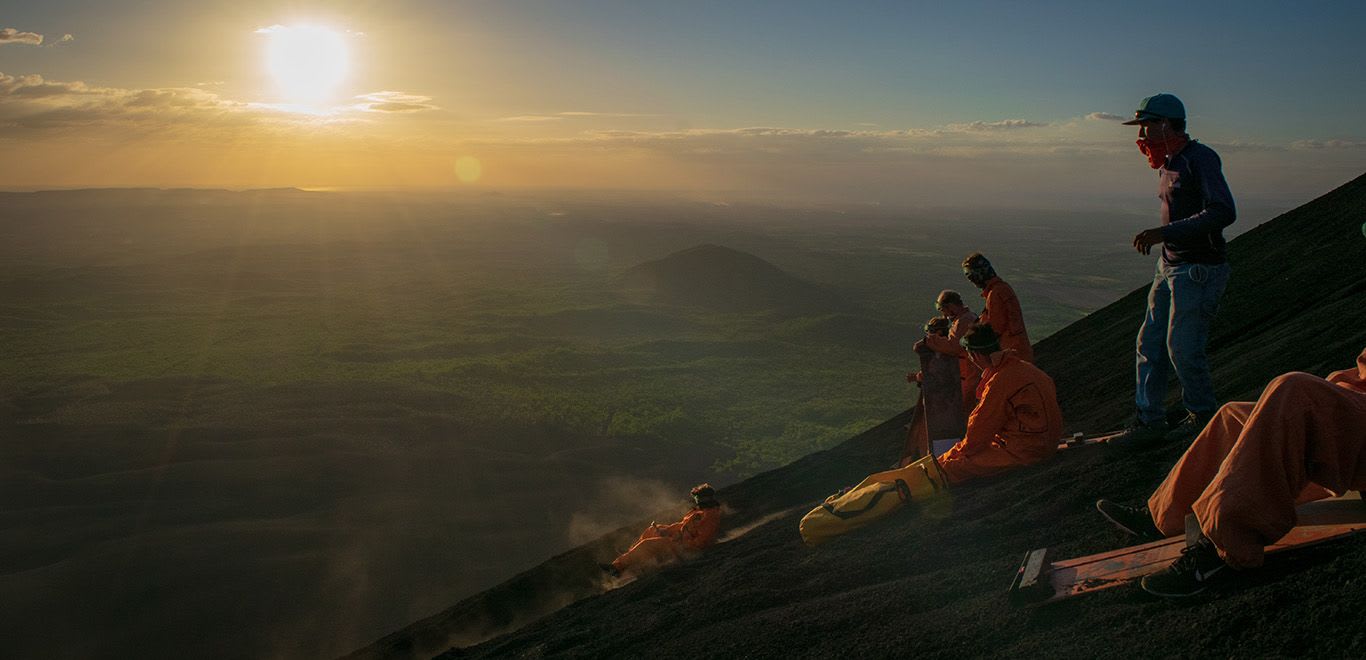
(674, 529)
(699, 528)
(1353, 379)
(1012, 322)
(945, 345)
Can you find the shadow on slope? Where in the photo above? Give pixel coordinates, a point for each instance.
(932, 584)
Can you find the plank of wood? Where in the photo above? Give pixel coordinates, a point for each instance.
(1319, 521)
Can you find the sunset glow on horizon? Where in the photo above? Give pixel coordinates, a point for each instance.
(890, 103)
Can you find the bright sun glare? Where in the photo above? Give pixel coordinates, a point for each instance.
(307, 62)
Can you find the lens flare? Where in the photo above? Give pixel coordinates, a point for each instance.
(468, 169)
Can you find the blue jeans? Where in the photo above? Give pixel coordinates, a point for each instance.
(1181, 304)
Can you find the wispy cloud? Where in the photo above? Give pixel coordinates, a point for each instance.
(395, 102)
(572, 114)
(1314, 145)
(1002, 125)
(529, 118)
(1105, 116)
(603, 114)
(13, 36)
(31, 103)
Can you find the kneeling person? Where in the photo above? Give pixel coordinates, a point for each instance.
(661, 544)
(1016, 421)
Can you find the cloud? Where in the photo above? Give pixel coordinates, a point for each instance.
(13, 36)
(30, 103)
(391, 101)
(573, 114)
(603, 114)
(1002, 125)
(1105, 116)
(1315, 145)
(529, 118)
(66, 39)
(1238, 145)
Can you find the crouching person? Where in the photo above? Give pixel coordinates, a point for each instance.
(662, 544)
(1302, 440)
(1016, 421)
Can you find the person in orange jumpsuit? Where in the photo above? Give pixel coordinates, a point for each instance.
(950, 304)
(1002, 311)
(661, 544)
(1303, 439)
(1017, 420)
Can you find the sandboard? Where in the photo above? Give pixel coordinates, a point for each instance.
(1041, 580)
(1070, 442)
(1082, 440)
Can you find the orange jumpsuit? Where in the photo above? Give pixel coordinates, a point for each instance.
(1304, 439)
(1016, 422)
(1003, 314)
(660, 544)
(970, 374)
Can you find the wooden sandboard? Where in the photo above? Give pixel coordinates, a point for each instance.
(1082, 440)
(1070, 442)
(1041, 580)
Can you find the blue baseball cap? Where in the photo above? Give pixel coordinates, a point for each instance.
(1158, 106)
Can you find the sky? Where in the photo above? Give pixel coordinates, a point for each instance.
(918, 103)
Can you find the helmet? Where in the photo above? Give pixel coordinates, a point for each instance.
(978, 270)
(981, 338)
(704, 495)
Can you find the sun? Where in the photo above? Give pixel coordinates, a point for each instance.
(307, 62)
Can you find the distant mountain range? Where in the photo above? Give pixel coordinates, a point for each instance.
(933, 584)
(721, 279)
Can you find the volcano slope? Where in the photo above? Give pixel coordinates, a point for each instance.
(931, 580)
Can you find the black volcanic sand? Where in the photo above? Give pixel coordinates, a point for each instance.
(931, 580)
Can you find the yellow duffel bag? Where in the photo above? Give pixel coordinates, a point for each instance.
(874, 498)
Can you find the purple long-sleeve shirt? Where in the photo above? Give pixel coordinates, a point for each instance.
(1196, 206)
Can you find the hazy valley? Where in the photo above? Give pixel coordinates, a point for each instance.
(316, 417)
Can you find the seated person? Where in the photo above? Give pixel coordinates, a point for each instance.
(662, 544)
(1304, 439)
(1016, 421)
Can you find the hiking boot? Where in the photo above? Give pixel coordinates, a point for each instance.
(1198, 567)
(1133, 520)
(1189, 427)
(1139, 436)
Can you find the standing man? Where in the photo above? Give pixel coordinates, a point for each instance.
(1191, 272)
(1002, 309)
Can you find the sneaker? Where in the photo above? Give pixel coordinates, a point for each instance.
(1189, 427)
(1139, 435)
(1133, 520)
(1198, 567)
(610, 570)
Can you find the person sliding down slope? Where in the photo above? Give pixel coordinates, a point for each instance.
(1002, 310)
(1304, 439)
(1017, 420)
(661, 544)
